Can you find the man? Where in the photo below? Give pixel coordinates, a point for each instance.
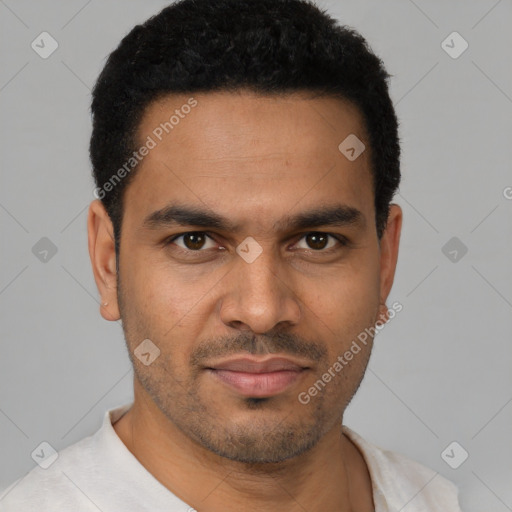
(245, 155)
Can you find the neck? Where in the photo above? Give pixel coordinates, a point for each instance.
(211, 483)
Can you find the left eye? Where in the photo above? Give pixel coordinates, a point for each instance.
(320, 241)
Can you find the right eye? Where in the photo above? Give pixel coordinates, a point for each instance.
(192, 241)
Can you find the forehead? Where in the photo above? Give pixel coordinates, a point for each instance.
(230, 124)
(264, 153)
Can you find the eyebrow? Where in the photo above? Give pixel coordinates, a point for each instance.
(179, 215)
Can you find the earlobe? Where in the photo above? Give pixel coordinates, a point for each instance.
(383, 313)
(389, 245)
(103, 258)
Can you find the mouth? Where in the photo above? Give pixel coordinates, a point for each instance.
(256, 378)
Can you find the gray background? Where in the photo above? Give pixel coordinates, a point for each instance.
(441, 369)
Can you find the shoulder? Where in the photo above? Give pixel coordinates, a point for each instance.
(53, 488)
(399, 481)
(75, 478)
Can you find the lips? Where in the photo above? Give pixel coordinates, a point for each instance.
(258, 378)
(248, 365)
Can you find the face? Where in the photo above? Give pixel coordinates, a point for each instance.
(249, 257)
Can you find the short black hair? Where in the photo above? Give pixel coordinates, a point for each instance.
(266, 46)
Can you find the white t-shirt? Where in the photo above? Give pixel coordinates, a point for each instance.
(99, 473)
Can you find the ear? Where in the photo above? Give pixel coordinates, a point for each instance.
(389, 243)
(103, 258)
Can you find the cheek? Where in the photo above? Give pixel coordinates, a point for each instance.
(166, 302)
(350, 295)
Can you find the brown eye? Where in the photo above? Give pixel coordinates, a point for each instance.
(193, 241)
(318, 241)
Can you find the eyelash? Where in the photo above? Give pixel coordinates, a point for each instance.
(343, 242)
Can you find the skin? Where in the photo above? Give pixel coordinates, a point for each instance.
(255, 160)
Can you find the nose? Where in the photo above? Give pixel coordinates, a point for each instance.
(260, 297)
